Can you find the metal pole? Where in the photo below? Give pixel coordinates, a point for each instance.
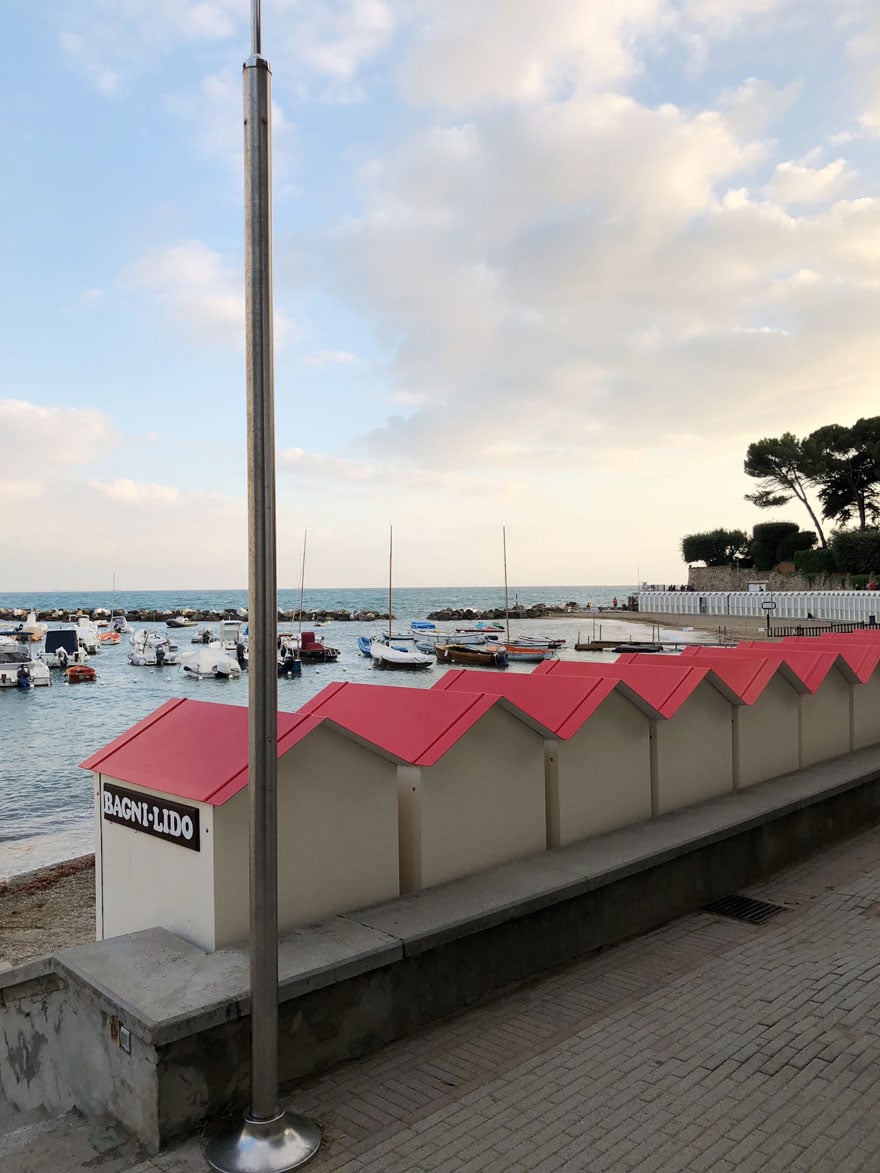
(270, 1141)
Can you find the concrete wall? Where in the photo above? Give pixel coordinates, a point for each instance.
(600, 779)
(767, 734)
(453, 948)
(337, 837)
(693, 751)
(480, 805)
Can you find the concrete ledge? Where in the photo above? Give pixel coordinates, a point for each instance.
(352, 983)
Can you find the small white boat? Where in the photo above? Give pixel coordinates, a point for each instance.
(398, 651)
(149, 649)
(210, 662)
(88, 635)
(18, 669)
(181, 621)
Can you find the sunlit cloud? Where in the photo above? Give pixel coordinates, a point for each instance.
(137, 495)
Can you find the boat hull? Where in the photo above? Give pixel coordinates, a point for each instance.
(460, 654)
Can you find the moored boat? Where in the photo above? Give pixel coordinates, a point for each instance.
(487, 656)
(18, 669)
(398, 652)
(80, 674)
(210, 662)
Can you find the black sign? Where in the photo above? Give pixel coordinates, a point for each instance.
(151, 814)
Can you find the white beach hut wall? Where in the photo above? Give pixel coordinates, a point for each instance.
(766, 722)
(597, 747)
(471, 779)
(691, 740)
(172, 823)
(826, 705)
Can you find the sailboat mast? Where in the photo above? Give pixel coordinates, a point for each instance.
(390, 555)
(302, 583)
(506, 605)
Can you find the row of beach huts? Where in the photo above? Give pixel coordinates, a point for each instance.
(384, 791)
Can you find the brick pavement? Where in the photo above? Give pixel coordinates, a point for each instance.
(708, 1045)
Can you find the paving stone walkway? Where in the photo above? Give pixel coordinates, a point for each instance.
(709, 1045)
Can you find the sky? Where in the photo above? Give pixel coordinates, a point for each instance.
(541, 265)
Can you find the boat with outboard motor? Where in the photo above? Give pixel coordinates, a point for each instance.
(18, 669)
(151, 650)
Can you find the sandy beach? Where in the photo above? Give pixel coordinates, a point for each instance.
(46, 910)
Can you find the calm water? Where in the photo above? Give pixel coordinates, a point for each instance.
(45, 798)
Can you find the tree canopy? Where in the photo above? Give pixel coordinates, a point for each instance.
(840, 464)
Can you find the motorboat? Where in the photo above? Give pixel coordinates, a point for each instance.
(398, 651)
(88, 635)
(63, 648)
(17, 667)
(181, 621)
(119, 622)
(234, 639)
(210, 662)
(310, 650)
(485, 656)
(152, 650)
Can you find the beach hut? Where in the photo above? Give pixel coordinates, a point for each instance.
(172, 821)
(471, 774)
(691, 739)
(861, 651)
(825, 721)
(597, 752)
(766, 721)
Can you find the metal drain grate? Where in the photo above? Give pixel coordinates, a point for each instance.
(746, 908)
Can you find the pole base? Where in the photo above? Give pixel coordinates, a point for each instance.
(265, 1146)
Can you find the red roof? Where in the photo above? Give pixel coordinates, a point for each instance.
(416, 725)
(862, 658)
(665, 687)
(830, 657)
(808, 668)
(192, 749)
(747, 677)
(561, 704)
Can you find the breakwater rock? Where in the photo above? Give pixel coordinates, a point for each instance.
(17, 615)
(536, 611)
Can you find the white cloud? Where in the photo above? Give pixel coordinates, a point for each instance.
(135, 34)
(334, 39)
(200, 292)
(138, 495)
(50, 437)
(794, 183)
(327, 358)
(466, 53)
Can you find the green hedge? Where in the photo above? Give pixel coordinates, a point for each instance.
(857, 551)
(819, 561)
(765, 542)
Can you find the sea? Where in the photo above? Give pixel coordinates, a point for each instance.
(46, 812)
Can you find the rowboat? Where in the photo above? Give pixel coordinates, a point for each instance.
(487, 657)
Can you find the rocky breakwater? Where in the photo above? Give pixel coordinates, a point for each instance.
(14, 615)
(498, 614)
